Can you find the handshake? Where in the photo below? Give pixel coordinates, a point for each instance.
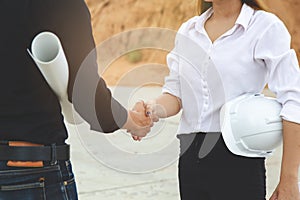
(141, 118)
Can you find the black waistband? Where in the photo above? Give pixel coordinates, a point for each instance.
(51, 153)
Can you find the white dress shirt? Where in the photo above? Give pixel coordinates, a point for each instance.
(254, 52)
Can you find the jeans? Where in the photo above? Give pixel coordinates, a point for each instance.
(49, 182)
(220, 174)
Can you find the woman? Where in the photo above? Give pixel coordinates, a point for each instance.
(248, 48)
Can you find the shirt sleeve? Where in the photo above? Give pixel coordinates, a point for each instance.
(88, 92)
(281, 61)
(172, 81)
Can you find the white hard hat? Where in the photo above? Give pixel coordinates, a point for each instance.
(251, 125)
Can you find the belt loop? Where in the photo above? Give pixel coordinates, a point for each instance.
(3, 142)
(53, 154)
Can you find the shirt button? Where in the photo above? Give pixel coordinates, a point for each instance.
(205, 107)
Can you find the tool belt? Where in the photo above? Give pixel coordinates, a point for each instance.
(25, 154)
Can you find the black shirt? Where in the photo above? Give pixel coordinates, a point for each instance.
(29, 109)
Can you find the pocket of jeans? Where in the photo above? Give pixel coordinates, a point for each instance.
(29, 190)
(24, 186)
(70, 188)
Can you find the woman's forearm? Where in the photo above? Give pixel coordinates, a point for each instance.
(291, 150)
(165, 105)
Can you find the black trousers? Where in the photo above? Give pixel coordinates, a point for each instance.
(220, 175)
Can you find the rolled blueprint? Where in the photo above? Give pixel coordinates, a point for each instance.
(48, 54)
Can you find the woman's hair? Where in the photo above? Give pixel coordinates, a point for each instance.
(255, 4)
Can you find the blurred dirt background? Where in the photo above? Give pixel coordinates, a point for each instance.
(111, 17)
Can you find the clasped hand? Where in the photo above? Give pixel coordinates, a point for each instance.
(140, 119)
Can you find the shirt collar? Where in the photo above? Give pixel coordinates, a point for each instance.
(199, 26)
(243, 18)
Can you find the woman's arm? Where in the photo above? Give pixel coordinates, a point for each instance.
(164, 106)
(281, 62)
(288, 184)
(291, 150)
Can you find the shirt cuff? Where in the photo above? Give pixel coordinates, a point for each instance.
(291, 112)
(171, 91)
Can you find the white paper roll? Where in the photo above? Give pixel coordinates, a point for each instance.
(48, 54)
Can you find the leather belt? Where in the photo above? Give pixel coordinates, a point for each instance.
(51, 153)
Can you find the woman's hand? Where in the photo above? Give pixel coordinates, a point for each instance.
(149, 111)
(164, 106)
(138, 123)
(287, 189)
(152, 110)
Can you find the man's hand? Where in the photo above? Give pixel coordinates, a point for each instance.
(152, 110)
(138, 123)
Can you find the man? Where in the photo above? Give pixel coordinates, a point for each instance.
(34, 159)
